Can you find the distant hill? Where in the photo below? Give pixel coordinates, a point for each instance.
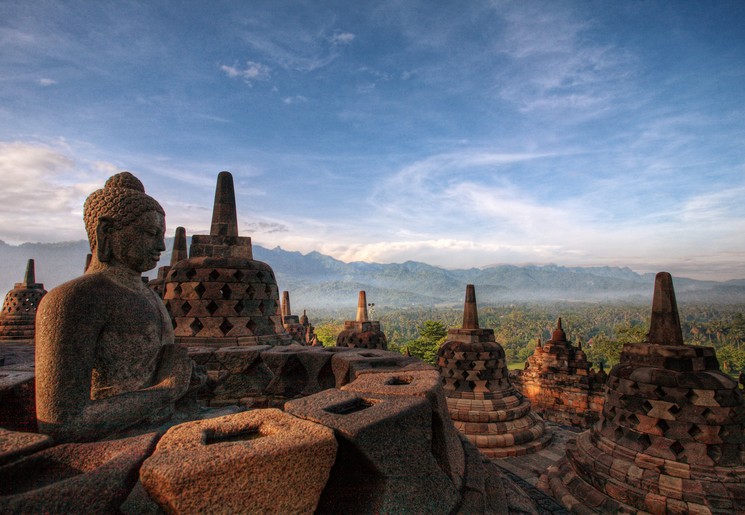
(319, 281)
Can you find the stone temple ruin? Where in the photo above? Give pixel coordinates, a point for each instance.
(362, 332)
(220, 295)
(17, 319)
(482, 402)
(254, 419)
(672, 432)
(560, 383)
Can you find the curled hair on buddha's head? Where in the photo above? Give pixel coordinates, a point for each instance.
(122, 199)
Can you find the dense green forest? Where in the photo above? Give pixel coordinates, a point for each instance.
(603, 329)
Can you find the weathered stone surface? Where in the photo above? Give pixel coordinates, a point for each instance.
(14, 444)
(74, 478)
(347, 366)
(105, 358)
(258, 462)
(17, 397)
(670, 439)
(560, 383)
(374, 471)
(220, 295)
(446, 443)
(362, 332)
(482, 402)
(18, 315)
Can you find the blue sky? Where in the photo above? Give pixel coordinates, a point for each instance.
(581, 133)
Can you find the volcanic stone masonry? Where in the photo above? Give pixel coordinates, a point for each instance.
(560, 384)
(362, 332)
(291, 322)
(671, 438)
(482, 402)
(18, 317)
(220, 295)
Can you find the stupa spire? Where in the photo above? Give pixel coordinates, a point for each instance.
(362, 307)
(470, 311)
(30, 277)
(286, 311)
(559, 335)
(224, 214)
(179, 246)
(664, 327)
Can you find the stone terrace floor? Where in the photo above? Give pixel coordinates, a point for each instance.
(524, 470)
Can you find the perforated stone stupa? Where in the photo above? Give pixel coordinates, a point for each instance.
(560, 383)
(482, 402)
(362, 332)
(18, 317)
(220, 295)
(291, 322)
(672, 435)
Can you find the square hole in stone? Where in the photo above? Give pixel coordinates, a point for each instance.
(399, 380)
(351, 406)
(212, 437)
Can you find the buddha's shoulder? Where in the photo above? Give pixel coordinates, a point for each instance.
(89, 287)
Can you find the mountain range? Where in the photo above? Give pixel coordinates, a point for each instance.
(317, 281)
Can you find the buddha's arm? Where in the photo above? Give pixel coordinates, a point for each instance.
(68, 326)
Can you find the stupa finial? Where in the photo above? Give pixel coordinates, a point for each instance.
(664, 327)
(286, 311)
(179, 246)
(470, 311)
(224, 214)
(30, 277)
(558, 335)
(362, 307)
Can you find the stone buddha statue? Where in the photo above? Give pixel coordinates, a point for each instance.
(105, 353)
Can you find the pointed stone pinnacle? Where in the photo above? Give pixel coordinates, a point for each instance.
(579, 344)
(559, 335)
(470, 311)
(664, 327)
(540, 344)
(286, 311)
(224, 216)
(88, 258)
(30, 277)
(179, 246)
(362, 307)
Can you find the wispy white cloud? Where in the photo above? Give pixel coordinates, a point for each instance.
(297, 99)
(251, 72)
(45, 81)
(343, 38)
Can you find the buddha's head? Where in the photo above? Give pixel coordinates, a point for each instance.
(125, 226)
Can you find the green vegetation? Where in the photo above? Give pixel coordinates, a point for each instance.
(603, 329)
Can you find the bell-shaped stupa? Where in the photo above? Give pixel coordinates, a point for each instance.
(671, 438)
(292, 322)
(18, 317)
(220, 295)
(362, 332)
(482, 402)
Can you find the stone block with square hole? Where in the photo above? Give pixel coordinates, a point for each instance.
(446, 444)
(347, 366)
(261, 461)
(385, 458)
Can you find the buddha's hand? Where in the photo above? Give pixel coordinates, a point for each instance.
(174, 370)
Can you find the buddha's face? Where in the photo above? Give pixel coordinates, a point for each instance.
(138, 245)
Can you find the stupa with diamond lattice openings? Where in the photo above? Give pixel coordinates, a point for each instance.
(482, 402)
(220, 295)
(18, 317)
(362, 332)
(672, 434)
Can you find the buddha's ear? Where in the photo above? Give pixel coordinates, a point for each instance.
(104, 228)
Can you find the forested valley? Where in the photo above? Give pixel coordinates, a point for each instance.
(602, 329)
